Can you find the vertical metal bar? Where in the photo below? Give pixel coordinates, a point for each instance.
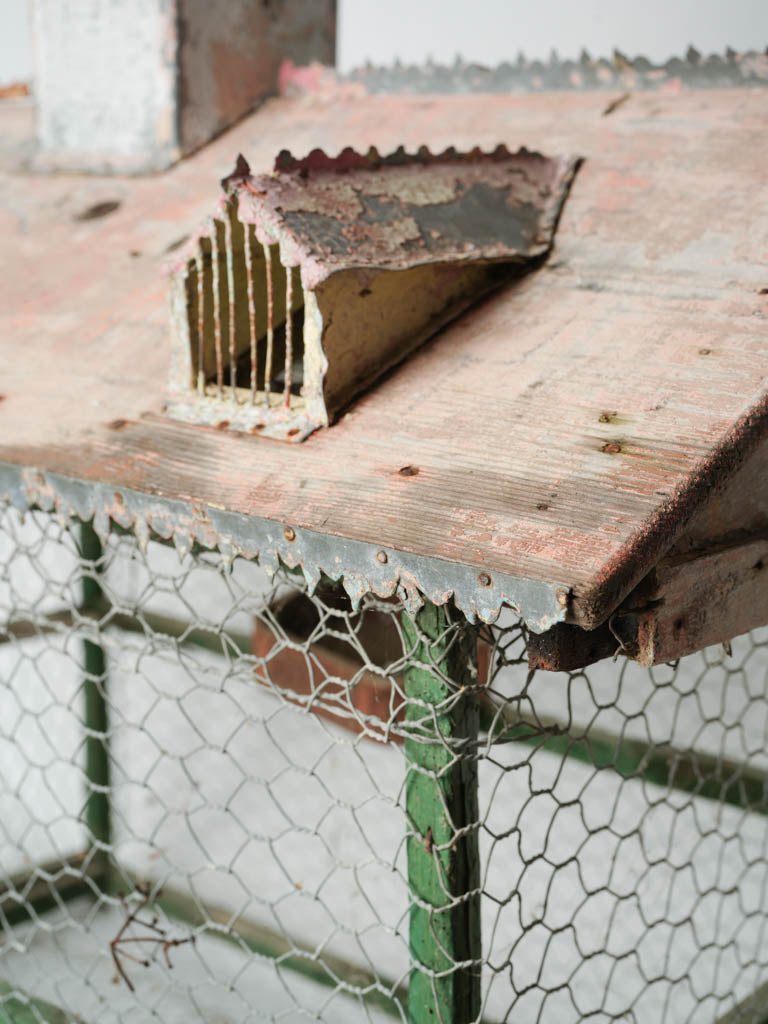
(251, 308)
(200, 321)
(231, 305)
(288, 336)
(216, 310)
(95, 714)
(270, 328)
(442, 810)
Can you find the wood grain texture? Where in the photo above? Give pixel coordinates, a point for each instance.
(711, 586)
(682, 606)
(567, 428)
(705, 600)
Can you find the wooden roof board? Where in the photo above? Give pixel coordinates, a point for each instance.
(564, 430)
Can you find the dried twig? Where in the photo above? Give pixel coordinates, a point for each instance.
(116, 946)
(615, 104)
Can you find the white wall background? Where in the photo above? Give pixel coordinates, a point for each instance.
(16, 57)
(489, 31)
(492, 30)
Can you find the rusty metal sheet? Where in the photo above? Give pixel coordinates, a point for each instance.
(404, 209)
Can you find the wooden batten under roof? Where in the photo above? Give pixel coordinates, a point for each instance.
(588, 444)
(709, 586)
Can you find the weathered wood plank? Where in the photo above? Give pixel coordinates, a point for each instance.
(711, 586)
(564, 430)
(696, 601)
(734, 512)
(690, 602)
(705, 600)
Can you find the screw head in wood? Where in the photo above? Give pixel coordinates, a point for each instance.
(484, 579)
(289, 533)
(382, 557)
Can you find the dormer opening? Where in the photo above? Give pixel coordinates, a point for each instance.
(306, 285)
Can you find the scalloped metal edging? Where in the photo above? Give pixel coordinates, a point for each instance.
(694, 70)
(363, 567)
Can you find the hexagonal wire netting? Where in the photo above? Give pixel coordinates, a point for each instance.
(227, 799)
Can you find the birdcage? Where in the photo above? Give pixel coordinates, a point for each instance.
(456, 710)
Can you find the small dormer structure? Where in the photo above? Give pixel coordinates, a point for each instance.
(307, 284)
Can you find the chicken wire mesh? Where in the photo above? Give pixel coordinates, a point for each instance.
(225, 798)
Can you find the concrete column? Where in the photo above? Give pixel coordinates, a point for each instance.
(129, 86)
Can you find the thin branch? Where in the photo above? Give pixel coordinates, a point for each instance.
(160, 937)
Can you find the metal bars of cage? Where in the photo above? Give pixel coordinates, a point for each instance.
(252, 347)
(252, 330)
(270, 326)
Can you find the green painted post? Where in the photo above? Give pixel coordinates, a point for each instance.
(18, 1007)
(95, 718)
(441, 805)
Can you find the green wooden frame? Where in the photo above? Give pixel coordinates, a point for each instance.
(97, 814)
(441, 806)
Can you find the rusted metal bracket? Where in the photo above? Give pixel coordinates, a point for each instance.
(307, 284)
